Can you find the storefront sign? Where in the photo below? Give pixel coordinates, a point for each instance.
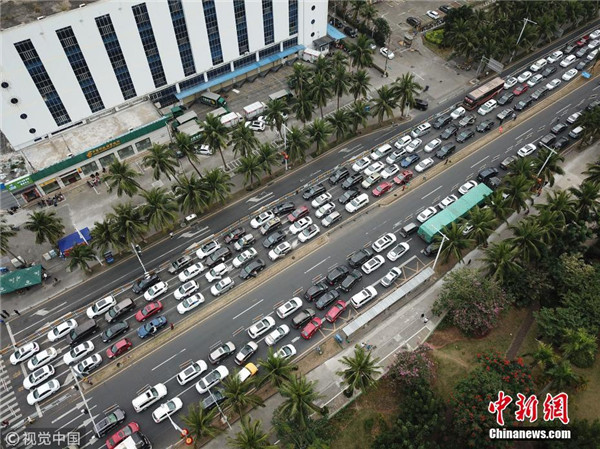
(19, 183)
(108, 146)
(45, 183)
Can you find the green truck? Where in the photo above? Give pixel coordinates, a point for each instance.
(213, 99)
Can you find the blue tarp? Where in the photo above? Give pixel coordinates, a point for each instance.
(334, 32)
(71, 240)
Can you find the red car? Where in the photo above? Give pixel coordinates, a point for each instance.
(403, 177)
(300, 212)
(126, 431)
(584, 40)
(382, 188)
(336, 310)
(521, 89)
(120, 347)
(313, 326)
(151, 309)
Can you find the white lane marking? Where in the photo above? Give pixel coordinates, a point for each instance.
(77, 417)
(58, 418)
(479, 162)
(315, 266)
(161, 364)
(567, 106)
(521, 135)
(244, 311)
(294, 340)
(265, 198)
(433, 191)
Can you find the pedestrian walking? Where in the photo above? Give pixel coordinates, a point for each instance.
(17, 312)
(514, 116)
(424, 318)
(446, 163)
(501, 129)
(170, 235)
(449, 161)
(172, 326)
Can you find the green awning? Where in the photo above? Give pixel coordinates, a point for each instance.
(18, 279)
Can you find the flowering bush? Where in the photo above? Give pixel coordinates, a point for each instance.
(413, 367)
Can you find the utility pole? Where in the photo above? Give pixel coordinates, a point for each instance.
(137, 250)
(439, 250)
(525, 21)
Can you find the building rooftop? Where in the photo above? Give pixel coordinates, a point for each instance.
(19, 12)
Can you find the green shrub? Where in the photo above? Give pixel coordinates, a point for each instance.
(435, 37)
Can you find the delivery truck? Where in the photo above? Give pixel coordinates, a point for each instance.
(231, 119)
(213, 99)
(254, 110)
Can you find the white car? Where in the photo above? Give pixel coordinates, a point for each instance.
(375, 167)
(386, 53)
(277, 334)
(320, 200)
(458, 113)
(413, 145)
(363, 297)
(396, 156)
(42, 358)
(194, 370)
(448, 201)
(568, 61)
(431, 146)
(573, 117)
(553, 84)
(591, 55)
(555, 56)
(187, 289)
(372, 264)
(155, 291)
(390, 277)
(207, 249)
(424, 165)
(524, 76)
(427, 214)
(286, 352)
(383, 242)
(43, 391)
(86, 366)
(243, 258)
(300, 225)
(149, 397)
(390, 171)
(361, 164)
(191, 272)
(309, 233)
(100, 307)
(190, 303)
(535, 79)
(289, 307)
(402, 142)
(224, 285)
(324, 210)
(257, 222)
(593, 44)
(243, 242)
(217, 272)
(371, 180)
(38, 376)
(538, 65)
(595, 34)
(466, 187)
(357, 203)
(78, 352)
(488, 107)
(433, 14)
(510, 83)
(527, 150)
(212, 379)
(61, 330)
(167, 409)
(569, 75)
(380, 152)
(256, 125)
(280, 250)
(398, 251)
(261, 327)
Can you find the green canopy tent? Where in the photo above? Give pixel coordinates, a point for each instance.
(16, 280)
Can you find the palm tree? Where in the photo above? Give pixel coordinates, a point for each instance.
(251, 436)
(385, 103)
(300, 78)
(250, 167)
(498, 205)
(214, 135)
(300, 400)
(562, 203)
(323, 67)
(356, 7)
(484, 222)
(579, 347)
(406, 89)
(339, 59)
(361, 53)
(218, 185)
(340, 83)
(243, 140)
(304, 107)
(369, 14)
(318, 133)
(551, 168)
(522, 166)
(587, 199)
(6, 232)
(500, 261)
(102, 236)
(274, 113)
(123, 177)
(238, 394)
(544, 356)
(320, 90)
(359, 114)
(127, 223)
(79, 256)
(518, 189)
(360, 372)
(191, 194)
(185, 145)
(276, 369)
(267, 157)
(200, 422)
(593, 171)
(297, 144)
(160, 210)
(456, 242)
(562, 376)
(547, 27)
(551, 225)
(339, 123)
(360, 82)
(47, 226)
(162, 159)
(527, 240)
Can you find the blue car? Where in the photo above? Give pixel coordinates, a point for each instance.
(409, 160)
(152, 327)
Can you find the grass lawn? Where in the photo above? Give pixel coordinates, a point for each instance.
(584, 404)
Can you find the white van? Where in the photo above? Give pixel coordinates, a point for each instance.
(149, 397)
(381, 152)
(487, 107)
(576, 133)
(363, 297)
(421, 130)
(538, 65)
(357, 203)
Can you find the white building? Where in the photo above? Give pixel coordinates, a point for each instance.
(62, 69)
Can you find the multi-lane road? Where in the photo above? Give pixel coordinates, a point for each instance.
(62, 410)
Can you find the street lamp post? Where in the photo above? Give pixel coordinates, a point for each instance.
(175, 426)
(437, 256)
(525, 21)
(219, 408)
(547, 159)
(139, 258)
(85, 404)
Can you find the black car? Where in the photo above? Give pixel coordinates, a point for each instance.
(409, 160)
(350, 31)
(445, 151)
(523, 104)
(143, 284)
(352, 181)
(274, 239)
(347, 196)
(351, 280)
(442, 121)
(562, 142)
(445, 8)
(559, 128)
(592, 105)
(548, 139)
(327, 299)
(337, 274)
(582, 65)
(413, 22)
(493, 183)
(212, 400)
(357, 258)
(316, 291)
(465, 135)
(314, 191)
(302, 318)
(548, 71)
(449, 132)
(487, 173)
(220, 255)
(485, 126)
(234, 235)
(430, 249)
(114, 331)
(506, 98)
(283, 208)
(421, 105)
(111, 420)
(539, 93)
(339, 175)
(252, 269)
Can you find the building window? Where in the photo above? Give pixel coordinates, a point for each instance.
(250, 59)
(140, 13)
(212, 28)
(191, 82)
(90, 168)
(182, 36)
(143, 144)
(269, 51)
(42, 81)
(290, 43)
(165, 97)
(105, 161)
(269, 29)
(115, 55)
(126, 152)
(293, 13)
(80, 68)
(241, 25)
(218, 71)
